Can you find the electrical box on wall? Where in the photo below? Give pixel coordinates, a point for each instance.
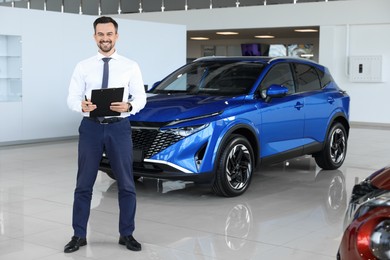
(365, 68)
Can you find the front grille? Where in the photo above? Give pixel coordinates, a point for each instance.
(152, 141)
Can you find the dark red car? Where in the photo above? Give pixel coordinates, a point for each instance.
(367, 233)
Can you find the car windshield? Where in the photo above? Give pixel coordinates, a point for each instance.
(218, 78)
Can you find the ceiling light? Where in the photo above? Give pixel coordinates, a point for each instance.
(199, 38)
(227, 33)
(307, 55)
(306, 30)
(265, 36)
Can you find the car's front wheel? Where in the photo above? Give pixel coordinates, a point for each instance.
(235, 167)
(110, 174)
(335, 149)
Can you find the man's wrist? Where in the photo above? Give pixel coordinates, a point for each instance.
(130, 107)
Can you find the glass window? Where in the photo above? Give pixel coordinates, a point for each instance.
(307, 78)
(325, 78)
(225, 78)
(280, 74)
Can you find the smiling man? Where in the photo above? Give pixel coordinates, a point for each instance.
(105, 133)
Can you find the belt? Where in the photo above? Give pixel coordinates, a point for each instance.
(105, 121)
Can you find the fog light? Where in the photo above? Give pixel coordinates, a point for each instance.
(380, 240)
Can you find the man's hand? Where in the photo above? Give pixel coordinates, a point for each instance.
(120, 107)
(87, 106)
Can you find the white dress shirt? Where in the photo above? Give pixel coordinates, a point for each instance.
(123, 72)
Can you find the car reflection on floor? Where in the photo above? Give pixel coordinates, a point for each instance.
(288, 201)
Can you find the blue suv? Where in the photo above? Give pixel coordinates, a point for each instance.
(216, 118)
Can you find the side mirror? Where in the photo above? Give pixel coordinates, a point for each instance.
(155, 84)
(275, 91)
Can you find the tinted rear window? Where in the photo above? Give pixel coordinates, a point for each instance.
(307, 78)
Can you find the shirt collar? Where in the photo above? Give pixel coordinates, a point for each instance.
(113, 56)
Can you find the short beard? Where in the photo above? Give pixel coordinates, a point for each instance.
(105, 50)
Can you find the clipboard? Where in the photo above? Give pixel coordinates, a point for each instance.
(103, 98)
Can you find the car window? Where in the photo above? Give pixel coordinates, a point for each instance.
(280, 74)
(226, 78)
(307, 78)
(325, 78)
(231, 78)
(183, 80)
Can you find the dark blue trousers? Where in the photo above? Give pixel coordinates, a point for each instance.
(115, 140)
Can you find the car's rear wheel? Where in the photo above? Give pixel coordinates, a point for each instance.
(335, 149)
(235, 167)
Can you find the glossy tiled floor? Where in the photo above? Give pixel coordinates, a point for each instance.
(291, 211)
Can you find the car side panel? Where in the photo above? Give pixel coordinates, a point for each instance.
(224, 128)
(282, 125)
(319, 108)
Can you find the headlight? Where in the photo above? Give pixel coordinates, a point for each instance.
(380, 240)
(185, 131)
(370, 226)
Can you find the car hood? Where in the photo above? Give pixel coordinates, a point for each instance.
(372, 191)
(167, 108)
(381, 179)
(377, 182)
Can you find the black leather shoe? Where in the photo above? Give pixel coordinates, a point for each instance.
(130, 243)
(75, 244)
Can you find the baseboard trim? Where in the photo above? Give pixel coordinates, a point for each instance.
(367, 125)
(35, 141)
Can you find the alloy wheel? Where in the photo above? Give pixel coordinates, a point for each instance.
(337, 146)
(238, 167)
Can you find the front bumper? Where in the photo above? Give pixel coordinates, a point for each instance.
(368, 207)
(160, 170)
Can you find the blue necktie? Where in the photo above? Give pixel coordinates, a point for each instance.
(105, 79)
(105, 72)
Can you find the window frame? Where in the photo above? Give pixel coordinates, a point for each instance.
(292, 88)
(297, 81)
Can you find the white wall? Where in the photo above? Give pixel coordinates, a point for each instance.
(52, 45)
(358, 27)
(369, 101)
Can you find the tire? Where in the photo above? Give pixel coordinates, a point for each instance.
(235, 167)
(335, 149)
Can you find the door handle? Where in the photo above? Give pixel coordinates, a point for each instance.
(330, 100)
(298, 105)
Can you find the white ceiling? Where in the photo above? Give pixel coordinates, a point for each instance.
(108, 7)
(133, 6)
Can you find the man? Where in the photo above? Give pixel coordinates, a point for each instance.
(109, 134)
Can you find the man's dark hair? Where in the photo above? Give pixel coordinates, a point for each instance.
(105, 19)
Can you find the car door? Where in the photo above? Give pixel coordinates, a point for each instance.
(318, 103)
(282, 124)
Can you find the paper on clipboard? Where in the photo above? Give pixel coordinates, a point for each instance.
(103, 98)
